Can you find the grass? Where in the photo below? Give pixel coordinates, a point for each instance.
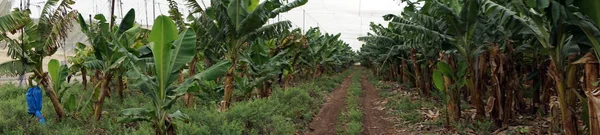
(408, 109)
(285, 112)
(351, 117)
(405, 106)
(481, 127)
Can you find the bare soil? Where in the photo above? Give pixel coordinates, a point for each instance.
(325, 121)
(374, 119)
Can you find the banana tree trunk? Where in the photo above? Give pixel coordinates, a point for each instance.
(427, 78)
(266, 89)
(481, 68)
(592, 92)
(103, 92)
(475, 95)
(84, 78)
(572, 85)
(281, 78)
(510, 83)
(321, 70)
(121, 86)
(569, 123)
(396, 72)
(537, 91)
(47, 84)
(509, 99)
(228, 86)
(453, 107)
(570, 91)
(567, 115)
(390, 74)
(318, 71)
(286, 80)
(290, 76)
(418, 75)
(180, 77)
(496, 66)
(188, 97)
(269, 88)
(96, 78)
(520, 102)
(404, 76)
(546, 86)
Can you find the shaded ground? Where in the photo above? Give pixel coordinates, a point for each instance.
(415, 114)
(374, 116)
(324, 122)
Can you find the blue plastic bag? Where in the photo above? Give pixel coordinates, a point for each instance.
(34, 103)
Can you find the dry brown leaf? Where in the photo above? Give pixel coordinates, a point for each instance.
(490, 105)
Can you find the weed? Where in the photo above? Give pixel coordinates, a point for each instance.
(354, 128)
(354, 114)
(350, 119)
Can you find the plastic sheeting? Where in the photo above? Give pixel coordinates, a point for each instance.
(34, 103)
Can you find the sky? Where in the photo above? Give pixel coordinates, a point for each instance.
(351, 18)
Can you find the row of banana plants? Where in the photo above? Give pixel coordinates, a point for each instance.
(496, 51)
(217, 49)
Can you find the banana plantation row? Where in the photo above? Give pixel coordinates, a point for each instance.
(224, 47)
(519, 56)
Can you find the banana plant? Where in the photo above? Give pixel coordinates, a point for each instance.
(590, 24)
(462, 27)
(548, 21)
(82, 62)
(11, 21)
(58, 76)
(322, 51)
(264, 66)
(171, 53)
(381, 49)
(240, 21)
(449, 81)
(295, 43)
(113, 47)
(41, 39)
(208, 49)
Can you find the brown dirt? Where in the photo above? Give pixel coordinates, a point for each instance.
(373, 119)
(325, 121)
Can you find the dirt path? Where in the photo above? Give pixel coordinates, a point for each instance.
(373, 116)
(325, 121)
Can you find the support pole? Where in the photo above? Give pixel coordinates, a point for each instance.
(112, 14)
(153, 9)
(146, 8)
(303, 20)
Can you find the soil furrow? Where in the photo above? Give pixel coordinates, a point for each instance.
(325, 121)
(373, 116)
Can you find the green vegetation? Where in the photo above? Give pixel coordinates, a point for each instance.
(350, 122)
(466, 53)
(241, 69)
(285, 112)
(225, 69)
